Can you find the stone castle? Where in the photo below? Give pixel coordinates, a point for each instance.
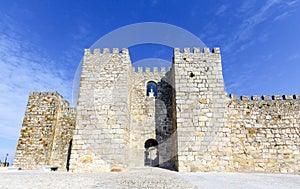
(179, 119)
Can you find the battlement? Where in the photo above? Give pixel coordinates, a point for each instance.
(265, 97)
(205, 50)
(64, 103)
(149, 70)
(36, 93)
(98, 51)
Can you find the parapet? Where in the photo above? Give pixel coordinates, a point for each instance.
(98, 51)
(215, 50)
(65, 104)
(148, 70)
(265, 97)
(36, 93)
(196, 50)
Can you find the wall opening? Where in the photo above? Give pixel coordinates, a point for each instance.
(151, 153)
(151, 89)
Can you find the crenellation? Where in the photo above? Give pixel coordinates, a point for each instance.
(255, 98)
(87, 52)
(106, 50)
(97, 51)
(297, 96)
(125, 51)
(140, 69)
(216, 50)
(176, 51)
(287, 97)
(147, 70)
(276, 97)
(206, 50)
(196, 50)
(244, 98)
(115, 51)
(266, 97)
(186, 50)
(233, 97)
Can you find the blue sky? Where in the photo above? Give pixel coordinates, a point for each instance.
(42, 43)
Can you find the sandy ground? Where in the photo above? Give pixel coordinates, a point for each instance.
(146, 178)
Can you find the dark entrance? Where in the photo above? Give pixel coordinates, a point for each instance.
(151, 153)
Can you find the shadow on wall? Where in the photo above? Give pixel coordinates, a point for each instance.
(164, 124)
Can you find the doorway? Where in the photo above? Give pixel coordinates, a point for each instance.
(151, 153)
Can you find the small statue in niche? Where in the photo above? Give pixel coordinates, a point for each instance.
(151, 93)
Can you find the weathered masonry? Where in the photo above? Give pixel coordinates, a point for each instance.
(46, 131)
(178, 119)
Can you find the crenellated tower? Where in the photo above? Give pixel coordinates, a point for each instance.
(200, 102)
(100, 141)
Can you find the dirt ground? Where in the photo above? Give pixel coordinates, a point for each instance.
(146, 178)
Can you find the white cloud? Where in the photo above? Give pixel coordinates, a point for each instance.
(23, 68)
(282, 16)
(221, 9)
(245, 31)
(292, 3)
(294, 57)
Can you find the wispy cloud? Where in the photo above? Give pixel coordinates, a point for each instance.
(252, 18)
(246, 29)
(23, 68)
(282, 16)
(289, 8)
(292, 3)
(221, 9)
(294, 57)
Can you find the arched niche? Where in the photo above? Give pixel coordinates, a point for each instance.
(151, 89)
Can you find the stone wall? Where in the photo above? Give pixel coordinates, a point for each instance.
(46, 131)
(265, 133)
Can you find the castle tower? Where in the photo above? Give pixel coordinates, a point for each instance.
(200, 103)
(100, 141)
(46, 132)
